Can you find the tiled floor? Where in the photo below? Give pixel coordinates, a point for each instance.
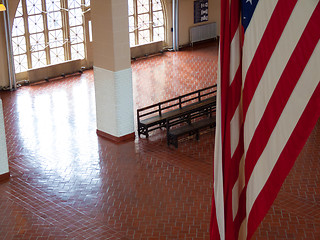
(68, 183)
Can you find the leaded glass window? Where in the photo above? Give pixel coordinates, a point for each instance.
(37, 42)
(146, 21)
(143, 6)
(54, 20)
(56, 55)
(35, 23)
(19, 11)
(53, 5)
(21, 63)
(34, 7)
(158, 21)
(48, 32)
(18, 27)
(19, 45)
(77, 51)
(56, 38)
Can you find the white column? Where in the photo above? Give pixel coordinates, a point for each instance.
(4, 166)
(114, 101)
(112, 69)
(175, 25)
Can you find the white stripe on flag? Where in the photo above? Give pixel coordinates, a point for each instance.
(275, 67)
(284, 127)
(235, 125)
(255, 31)
(234, 55)
(218, 175)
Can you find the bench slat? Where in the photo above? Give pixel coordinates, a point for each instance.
(193, 128)
(178, 111)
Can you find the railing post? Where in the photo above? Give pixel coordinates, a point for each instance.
(180, 102)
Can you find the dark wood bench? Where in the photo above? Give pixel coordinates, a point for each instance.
(155, 116)
(190, 124)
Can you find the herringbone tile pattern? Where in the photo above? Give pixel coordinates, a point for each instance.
(68, 183)
(295, 213)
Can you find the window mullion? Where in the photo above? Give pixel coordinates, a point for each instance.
(151, 21)
(84, 24)
(45, 31)
(135, 10)
(27, 34)
(65, 30)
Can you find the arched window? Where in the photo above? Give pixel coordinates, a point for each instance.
(146, 21)
(48, 32)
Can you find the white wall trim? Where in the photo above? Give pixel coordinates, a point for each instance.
(114, 101)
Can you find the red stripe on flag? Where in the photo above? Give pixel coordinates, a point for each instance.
(283, 90)
(234, 16)
(270, 38)
(224, 58)
(242, 210)
(285, 162)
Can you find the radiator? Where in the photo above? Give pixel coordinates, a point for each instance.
(203, 32)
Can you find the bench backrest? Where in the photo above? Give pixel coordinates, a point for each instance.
(177, 102)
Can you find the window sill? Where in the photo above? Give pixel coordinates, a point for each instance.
(146, 44)
(146, 49)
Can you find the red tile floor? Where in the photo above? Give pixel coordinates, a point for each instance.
(68, 183)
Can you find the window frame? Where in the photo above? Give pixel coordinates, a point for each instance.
(66, 44)
(151, 27)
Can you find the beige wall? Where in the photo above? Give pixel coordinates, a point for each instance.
(186, 19)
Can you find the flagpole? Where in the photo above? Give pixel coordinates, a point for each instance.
(175, 24)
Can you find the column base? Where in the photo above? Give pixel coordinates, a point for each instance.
(122, 139)
(5, 177)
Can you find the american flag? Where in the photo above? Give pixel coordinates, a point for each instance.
(267, 105)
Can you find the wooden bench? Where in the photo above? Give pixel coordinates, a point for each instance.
(155, 116)
(189, 124)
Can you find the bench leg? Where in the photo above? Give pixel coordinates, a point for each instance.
(197, 135)
(144, 131)
(176, 142)
(172, 140)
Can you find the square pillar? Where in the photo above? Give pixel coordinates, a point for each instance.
(4, 166)
(112, 70)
